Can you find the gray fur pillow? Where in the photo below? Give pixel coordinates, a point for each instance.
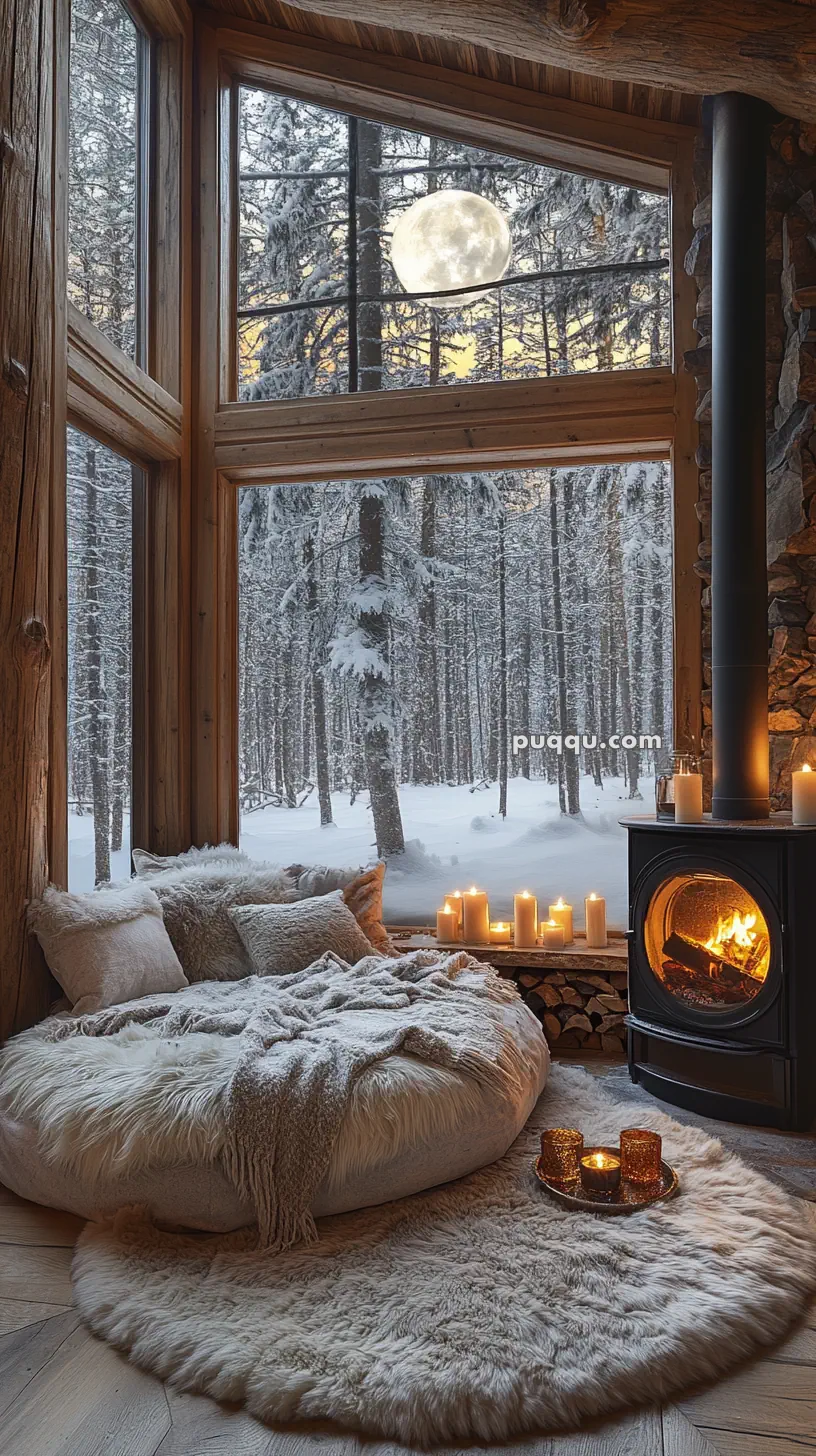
(146, 864)
(285, 938)
(196, 901)
(106, 947)
(362, 892)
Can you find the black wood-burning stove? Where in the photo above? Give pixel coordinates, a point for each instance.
(722, 967)
(722, 955)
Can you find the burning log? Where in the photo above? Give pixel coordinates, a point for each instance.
(700, 961)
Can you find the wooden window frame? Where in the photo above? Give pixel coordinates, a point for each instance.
(144, 416)
(590, 418)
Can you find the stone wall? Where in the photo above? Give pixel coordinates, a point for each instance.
(790, 398)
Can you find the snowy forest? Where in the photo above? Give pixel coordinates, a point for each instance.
(395, 635)
(107, 94)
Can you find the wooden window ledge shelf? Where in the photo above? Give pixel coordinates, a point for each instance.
(578, 956)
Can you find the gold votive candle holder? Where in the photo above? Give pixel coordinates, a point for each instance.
(600, 1171)
(641, 1155)
(561, 1149)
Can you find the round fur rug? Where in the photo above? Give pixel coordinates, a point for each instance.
(478, 1310)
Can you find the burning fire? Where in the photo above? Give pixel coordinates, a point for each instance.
(735, 940)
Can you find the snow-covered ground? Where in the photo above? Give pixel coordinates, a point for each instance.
(81, 853)
(456, 838)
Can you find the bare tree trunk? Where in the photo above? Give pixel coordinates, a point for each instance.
(98, 732)
(376, 703)
(427, 725)
(321, 741)
(591, 718)
(524, 673)
(568, 767)
(621, 631)
(502, 725)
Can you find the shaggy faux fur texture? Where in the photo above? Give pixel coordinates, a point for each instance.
(473, 1312)
(283, 938)
(106, 947)
(196, 900)
(146, 864)
(304, 1040)
(109, 1105)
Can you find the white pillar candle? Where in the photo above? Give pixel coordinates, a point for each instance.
(525, 918)
(455, 902)
(688, 798)
(803, 795)
(500, 933)
(552, 935)
(447, 925)
(562, 915)
(476, 918)
(595, 910)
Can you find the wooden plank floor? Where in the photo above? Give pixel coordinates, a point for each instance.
(65, 1393)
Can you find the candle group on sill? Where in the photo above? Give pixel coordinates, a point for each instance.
(466, 917)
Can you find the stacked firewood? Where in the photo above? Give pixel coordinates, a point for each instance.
(579, 1010)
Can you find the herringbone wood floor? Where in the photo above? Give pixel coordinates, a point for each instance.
(64, 1393)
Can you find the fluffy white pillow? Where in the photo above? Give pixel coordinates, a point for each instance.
(106, 947)
(196, 901)
(285, 938)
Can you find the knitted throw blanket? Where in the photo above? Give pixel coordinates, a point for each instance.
(305, 1038)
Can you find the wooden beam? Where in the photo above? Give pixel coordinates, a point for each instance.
(586, 418)
(26, 361)
(58, 532)
(214, 576)
(549, 130)
(766, 48)
(115, 400)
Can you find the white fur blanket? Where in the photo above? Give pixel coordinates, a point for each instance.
(302, 1042)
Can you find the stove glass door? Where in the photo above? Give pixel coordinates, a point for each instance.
(707, 940)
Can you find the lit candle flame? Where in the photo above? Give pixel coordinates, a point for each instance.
(552, 922)
(559, 904)
(447, 910)
(806, 768)
(473, 890)
(593, 896)
(601, 1160)
(525, 894)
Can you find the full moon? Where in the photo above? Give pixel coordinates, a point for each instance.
(450, 239)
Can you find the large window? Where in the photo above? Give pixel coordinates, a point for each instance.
(322, 310)
(418, 657)
(107, 214)
(100, 510)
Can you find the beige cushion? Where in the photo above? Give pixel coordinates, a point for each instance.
(106, 947)
(280, 939)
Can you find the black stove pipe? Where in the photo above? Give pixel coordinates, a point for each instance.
(739, 598)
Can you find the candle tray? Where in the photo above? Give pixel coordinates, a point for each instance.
(628, 1198)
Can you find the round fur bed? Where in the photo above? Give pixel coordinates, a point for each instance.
(410, 1126)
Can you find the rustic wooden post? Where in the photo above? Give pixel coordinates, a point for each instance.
(26, 362)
